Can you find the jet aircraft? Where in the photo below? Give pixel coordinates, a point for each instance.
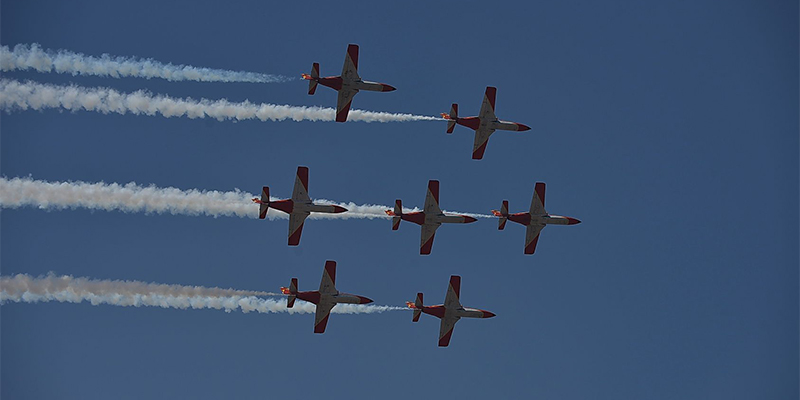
(484, 124)
(298, 207)
(449, 312)
(348, 84)
(429, 219)
(325, 298)
(535, 220)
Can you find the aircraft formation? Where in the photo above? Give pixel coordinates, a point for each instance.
(300, 206)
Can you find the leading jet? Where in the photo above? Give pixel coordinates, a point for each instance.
(535, 220)
(347, 84)
(449, 312)
(325, 298)
(299, 207)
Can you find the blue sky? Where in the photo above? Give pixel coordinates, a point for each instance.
(670, 129)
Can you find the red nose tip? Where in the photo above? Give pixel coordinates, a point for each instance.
(469, 219)
(337, 209)
(573, 221)
(388, 88)
(488, 314)
(364, 300)
(521, 127)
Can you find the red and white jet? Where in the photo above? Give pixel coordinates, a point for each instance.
(298, 207)
(484, 124)
(430, 218)
(348, 84)
(449, 312)
(325, 298)
(535, 220)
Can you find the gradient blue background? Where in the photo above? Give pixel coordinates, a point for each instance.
(669, 128)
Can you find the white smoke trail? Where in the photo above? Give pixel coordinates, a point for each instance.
(25, 57)
(21, 192)
(15, 95)
(66, 289)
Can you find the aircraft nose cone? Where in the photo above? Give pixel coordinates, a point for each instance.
(488, 314)
(388, 88)
(469, 219)
(364, 300)
(523, 127)
(337, 209)
(573, 221)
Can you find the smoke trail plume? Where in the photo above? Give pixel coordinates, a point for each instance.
(21, 192)
(26, 57)
(15, 95)
(66, 289)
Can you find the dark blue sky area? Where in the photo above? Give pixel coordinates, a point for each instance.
(669, 128)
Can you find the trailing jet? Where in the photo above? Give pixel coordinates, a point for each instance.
(298, 207)
(348, 84)
(449, 312)
(484, 124)
(325, 298)
(430, 218)
(535, 220)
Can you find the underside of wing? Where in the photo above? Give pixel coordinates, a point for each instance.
(481, 140)
(532, 237)
(296, 227)
(426, 239)
(537, 202)
(446, 330)
(343, 101)
(321, 316)
(432, 198)
(350, 68)
(300, 191)
(487, 107)
(328, 283)
(451, 299)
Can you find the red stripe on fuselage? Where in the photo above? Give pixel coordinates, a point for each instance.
(436, 311)
(284, 205)
(415, 217)
(521, 218)
(470, 122)
(311, 297)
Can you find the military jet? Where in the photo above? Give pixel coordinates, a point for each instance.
(449, 312)
(299, 207)
(348, 84)
(484, 124)
(429, 219)
(535, 220)
(325, 298)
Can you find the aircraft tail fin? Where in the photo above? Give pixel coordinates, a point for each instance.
(451, 118)
(263, 205)
(417, 307)
(502, 214)
(396, 214)
(292, 292)
(312, 83)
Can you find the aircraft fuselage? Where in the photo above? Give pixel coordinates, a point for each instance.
(422, 218)
(545, 219)
(316, 297)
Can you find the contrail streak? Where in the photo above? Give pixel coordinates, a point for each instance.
(15, 95)
(66, 289)
(22, 192)
(25, 57)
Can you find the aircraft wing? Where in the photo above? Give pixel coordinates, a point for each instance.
(328, 283)
(487, 107)
(481, 140)
(537, 202)
(350, 68)
(321, 316)
(296, 227)
(343, 102)
(451, 299)
(300, 192)
(532, 237)
(446, 330)
(426, 240)
(432, 198)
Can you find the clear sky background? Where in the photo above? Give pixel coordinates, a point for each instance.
(669, 128)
